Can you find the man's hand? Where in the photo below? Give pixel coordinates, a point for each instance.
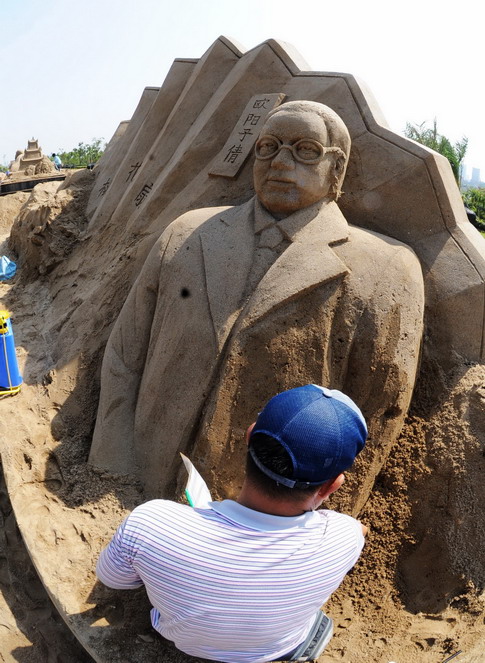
(365, 529)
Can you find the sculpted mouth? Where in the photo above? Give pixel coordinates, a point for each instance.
(283, 180)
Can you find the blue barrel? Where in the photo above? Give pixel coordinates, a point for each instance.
(10, 377)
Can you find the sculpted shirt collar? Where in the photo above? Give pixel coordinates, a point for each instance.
(334, 229)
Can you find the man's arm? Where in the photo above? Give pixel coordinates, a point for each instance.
(114, 567)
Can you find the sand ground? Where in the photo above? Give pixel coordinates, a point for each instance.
(31, 629)
(415, 596)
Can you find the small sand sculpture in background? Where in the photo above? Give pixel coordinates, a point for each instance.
(31, 161)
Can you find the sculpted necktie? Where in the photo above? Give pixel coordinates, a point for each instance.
(270, 237)
(270, 243)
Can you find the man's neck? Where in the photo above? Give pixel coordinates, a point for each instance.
(253, 499)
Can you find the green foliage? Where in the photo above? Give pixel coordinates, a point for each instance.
(83, 155)
(3, 169)
(475, 200)
(430, 137)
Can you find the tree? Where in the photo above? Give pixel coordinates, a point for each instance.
(475, 200)
(431, 138)
(83, 155)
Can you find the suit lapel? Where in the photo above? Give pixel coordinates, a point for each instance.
(227, 244)
(308, 262)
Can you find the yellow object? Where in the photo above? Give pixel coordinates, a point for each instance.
(7, 337)
(4, 316)
(9, 392)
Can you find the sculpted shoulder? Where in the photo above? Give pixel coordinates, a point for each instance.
(187, 228)
(187, 223)
(380, 264)
(381, 251)
(182, 230)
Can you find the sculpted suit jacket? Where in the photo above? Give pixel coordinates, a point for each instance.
(192, 359)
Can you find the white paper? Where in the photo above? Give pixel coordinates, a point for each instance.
(196, 490)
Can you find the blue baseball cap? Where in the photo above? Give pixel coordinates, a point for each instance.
(322, 430)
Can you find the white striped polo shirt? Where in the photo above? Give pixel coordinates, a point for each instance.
(228, 583)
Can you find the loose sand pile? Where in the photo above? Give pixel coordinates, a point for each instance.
(415, 596)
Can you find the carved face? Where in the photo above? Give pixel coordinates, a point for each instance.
(297, 175)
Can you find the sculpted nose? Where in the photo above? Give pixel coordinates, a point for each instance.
(283, 160)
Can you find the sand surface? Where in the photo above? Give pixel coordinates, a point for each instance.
(415, 596)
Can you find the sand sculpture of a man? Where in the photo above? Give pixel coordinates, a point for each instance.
(235, 304)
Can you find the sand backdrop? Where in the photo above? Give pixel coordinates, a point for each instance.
(417, 593)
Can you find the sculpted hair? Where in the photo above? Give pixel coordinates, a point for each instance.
(275, 457)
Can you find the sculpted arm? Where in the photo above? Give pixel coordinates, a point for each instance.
(122, 368)
(399, 298)
(384, 359)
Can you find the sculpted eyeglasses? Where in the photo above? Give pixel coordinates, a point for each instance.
(305, 150)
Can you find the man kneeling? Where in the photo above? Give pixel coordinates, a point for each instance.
(243, 581)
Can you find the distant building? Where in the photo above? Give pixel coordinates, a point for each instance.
(475, 179)
(474, 182)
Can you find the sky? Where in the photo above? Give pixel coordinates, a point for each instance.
(72, 70)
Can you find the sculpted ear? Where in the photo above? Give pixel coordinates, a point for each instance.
(338, 173)
(339, 165)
